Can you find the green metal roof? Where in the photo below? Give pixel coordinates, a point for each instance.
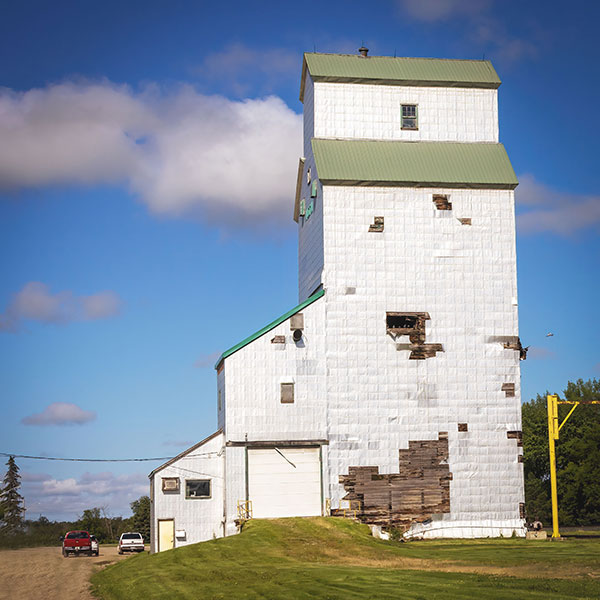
(413, 164)
(270, 326)
(439, 72)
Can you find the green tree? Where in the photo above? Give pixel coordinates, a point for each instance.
(91, 520)
(11, 501)
(577, 457)
(141, 516)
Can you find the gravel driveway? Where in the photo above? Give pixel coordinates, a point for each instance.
(44, 574)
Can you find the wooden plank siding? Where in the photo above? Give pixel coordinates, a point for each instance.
(420, 489)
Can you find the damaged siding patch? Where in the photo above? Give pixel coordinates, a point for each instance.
(463, 427)
(511, 342)
(442, 202)
(412, 324)
(509, 389)
(420, 489)
(515, 435)
(377, 225)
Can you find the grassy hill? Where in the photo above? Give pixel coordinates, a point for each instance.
(328, 558)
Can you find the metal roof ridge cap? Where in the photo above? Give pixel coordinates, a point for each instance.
(269, 327)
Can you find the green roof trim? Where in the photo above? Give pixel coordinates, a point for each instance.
(270, 326)
(413, 164)
(388, 70)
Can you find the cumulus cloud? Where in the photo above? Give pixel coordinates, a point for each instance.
(68, 498)
(180, 152)
(543, 209)
(35, 302)
(60, 413)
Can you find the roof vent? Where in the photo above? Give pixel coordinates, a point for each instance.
(363, 51)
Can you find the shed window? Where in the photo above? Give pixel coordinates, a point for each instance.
(409, 116)
(287, 393)
(170, 484)
(197, 488)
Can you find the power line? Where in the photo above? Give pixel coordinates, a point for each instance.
(86, 459)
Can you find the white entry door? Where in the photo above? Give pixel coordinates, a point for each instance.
(284, 482)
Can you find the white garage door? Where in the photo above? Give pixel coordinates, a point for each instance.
(285, 482)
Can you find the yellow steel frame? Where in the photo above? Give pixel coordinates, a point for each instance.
(244, 509)
(354, 507)
(553, 430)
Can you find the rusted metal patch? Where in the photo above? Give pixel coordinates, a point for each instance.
(420, 489)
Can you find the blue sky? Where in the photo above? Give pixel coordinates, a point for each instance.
(147, 169)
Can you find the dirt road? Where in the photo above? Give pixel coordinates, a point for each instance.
(44, 574)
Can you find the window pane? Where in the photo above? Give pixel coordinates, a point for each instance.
(198, 488)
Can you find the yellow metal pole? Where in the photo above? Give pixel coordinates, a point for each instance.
(553, 435)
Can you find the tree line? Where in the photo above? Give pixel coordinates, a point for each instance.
(577, 458)
(18, 532)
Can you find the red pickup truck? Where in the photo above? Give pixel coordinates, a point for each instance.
(76, 542)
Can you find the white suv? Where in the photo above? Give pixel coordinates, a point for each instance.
(131, 542)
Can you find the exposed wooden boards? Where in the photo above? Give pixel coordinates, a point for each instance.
(377, 225)
(465, 220)
(441, 202)
(420, 489)
(515, 435)
(421, 351)
(509, 389)
(463, 427)
(412, 324)
(278, 339)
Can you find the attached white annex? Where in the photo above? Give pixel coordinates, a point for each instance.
(393, 388)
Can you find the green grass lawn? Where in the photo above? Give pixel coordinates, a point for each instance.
(336, 558)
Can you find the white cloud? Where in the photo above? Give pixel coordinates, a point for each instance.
(549, 210)
(180, 152)
(60, 413)
(68, 498)
(35, 302)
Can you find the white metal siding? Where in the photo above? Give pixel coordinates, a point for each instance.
(280, 489)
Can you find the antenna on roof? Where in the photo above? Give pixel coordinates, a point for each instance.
(394, 52)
